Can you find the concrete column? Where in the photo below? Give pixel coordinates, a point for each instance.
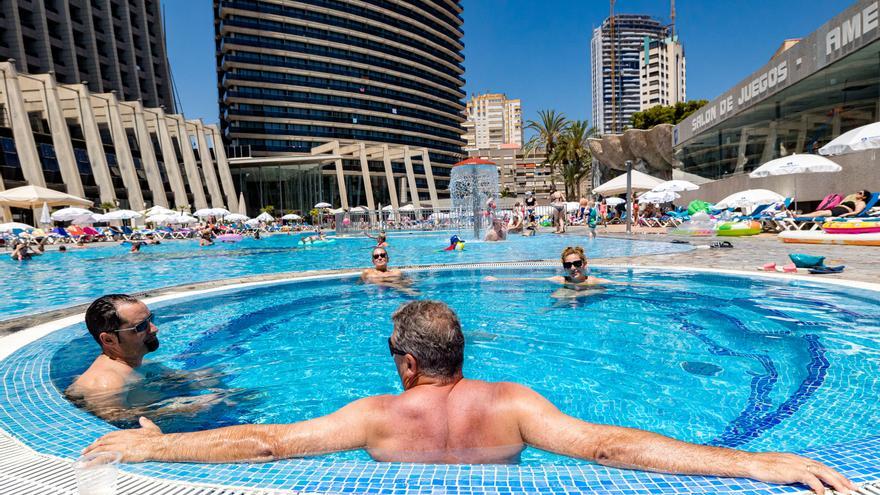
(769, 145)
(5, 211)
(148, 156)
(741, 150)
(835, 124)
(340, 181)
(365, 173)
(411, 176)
(389, 178)
(94, 145)
(802, 135)
(208, 166)
(429, 175)
(189, 163)
(25, 145)
(169, 159)
(404, 197)
(123, 152)
(223, 168)
(61, 137)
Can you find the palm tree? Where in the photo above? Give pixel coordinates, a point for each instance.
(548, 131)
(573, 152)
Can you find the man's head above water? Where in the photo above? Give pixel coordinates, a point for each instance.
(123, 326)
(427, 343)
(380, 258)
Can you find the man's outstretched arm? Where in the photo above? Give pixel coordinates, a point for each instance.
(542, 425)
(345, 429)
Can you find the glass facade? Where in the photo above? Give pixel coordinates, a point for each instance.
(798, 119)
(293, 77)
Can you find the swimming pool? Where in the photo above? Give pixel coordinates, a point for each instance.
(78, 276)
(709, 358)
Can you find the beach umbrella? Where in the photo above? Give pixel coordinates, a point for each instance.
(291, 216)
(181, 219)
(87, 219)
(160, 217)
(264, 217)
(358, 209)
(121, 215)
(323, 205)
(614, 201)
(33, 196)
(44, 214)
(794, 165)
(408, 207)
(68, 214)
(617, 185)
(235, 217)
(337, 210)
(242, 208)
(253, 222)
(158, 210)
(211, 212)
(675, 186)
(866, 137)
(658, 197)
(750, 197)
(387, 208)
(9, 227)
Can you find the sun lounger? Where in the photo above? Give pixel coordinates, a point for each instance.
(815, 223)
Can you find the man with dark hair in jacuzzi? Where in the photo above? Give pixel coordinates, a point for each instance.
(442, 417)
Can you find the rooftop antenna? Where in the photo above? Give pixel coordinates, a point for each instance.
(672, 19)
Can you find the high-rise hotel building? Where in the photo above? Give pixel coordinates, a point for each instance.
(377, 83)
(493, 120)
(615, 50)
(113, 45)
(662, 72)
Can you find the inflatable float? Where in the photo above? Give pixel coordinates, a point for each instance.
(316, 242)
(851, 227)
(737, 229)
(230, 238)
(820, 237)
(700, 225)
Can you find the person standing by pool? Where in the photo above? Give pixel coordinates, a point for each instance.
(443, 417)
(530, 204)
(123, 326)
(557, 201)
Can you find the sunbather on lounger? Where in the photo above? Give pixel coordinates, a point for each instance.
(845, 209)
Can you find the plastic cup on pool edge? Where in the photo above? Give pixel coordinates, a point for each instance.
(96, 473)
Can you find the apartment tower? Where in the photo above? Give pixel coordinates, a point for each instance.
(492, 120)
(662, 73)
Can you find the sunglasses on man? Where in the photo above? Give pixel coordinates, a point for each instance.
(568, 264)
(394, 350)
(140, 327)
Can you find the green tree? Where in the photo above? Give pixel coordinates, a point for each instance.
(548, 130)
(107, 206)
(665, 114)
(270, 209)
(573, 153)
(507, 193)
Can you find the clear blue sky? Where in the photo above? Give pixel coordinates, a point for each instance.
(539, 51)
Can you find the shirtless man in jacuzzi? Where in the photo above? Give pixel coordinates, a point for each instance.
(443, 417)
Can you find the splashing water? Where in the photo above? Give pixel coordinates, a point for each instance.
(470, 187)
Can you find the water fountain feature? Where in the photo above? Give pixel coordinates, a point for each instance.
(471, 184)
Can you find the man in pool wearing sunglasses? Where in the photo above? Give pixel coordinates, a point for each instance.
(123, 326)
(380, 271)
(443, 417)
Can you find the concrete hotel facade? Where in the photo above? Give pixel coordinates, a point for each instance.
(377, 85)
(105, 149)
(114, 45)
(493, 120)
(623, 51)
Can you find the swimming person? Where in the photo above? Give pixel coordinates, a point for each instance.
(443, 417)
(498, 232)
(381, 239)
(123, 327)
(384, 276)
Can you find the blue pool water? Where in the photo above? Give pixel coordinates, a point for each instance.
(722, 360)
(63, 279)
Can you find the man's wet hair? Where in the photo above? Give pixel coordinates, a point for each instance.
(431, 332)
(570, 250)
(102, 315)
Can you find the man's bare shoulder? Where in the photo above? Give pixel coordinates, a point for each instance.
(99, 380)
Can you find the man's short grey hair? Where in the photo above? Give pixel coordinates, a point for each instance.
(431, 332)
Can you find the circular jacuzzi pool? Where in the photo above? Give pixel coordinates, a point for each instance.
(755, 364)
